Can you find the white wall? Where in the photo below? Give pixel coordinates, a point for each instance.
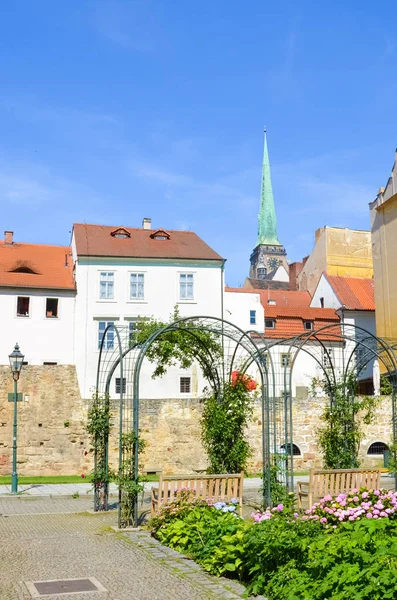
(40, 339)
(324, 290)
(237, 310)
(161, 296)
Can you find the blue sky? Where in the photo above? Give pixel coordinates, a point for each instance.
(112, 111)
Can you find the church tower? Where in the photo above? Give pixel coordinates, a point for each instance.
(269, 254)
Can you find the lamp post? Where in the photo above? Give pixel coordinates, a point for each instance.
(16, 361)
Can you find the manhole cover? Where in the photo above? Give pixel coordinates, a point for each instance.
(55, 587)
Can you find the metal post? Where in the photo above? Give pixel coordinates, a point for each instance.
(14, 478)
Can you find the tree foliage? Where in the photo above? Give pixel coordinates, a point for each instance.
(179, 347)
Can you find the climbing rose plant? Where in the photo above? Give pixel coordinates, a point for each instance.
(224, 421)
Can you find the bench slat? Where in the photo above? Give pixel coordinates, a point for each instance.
(336, 481)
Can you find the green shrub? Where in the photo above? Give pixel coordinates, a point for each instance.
(287, 558)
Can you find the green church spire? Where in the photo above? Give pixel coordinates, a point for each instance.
(267, 224)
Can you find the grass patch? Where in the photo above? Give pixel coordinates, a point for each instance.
(28, 480)
(44, 479)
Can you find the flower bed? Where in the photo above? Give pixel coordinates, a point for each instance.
(285, 555)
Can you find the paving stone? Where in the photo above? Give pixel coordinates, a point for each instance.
(57, 538)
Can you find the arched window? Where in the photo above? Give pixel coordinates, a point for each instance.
(377, 448)
(295, 450)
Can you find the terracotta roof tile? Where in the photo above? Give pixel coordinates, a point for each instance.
(354, 293)
(45, 266)
(289, 322)
(96, 240)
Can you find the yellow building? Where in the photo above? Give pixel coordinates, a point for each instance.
(337, 251)
(384, 249)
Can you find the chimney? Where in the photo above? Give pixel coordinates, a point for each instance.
(294, 270)
(147, 223)
(8, 237)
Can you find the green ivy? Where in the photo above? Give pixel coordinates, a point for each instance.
(130, 486)
(98, 427)
(224, 421)
(339, 439)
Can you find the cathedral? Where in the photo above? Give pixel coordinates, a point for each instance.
(268, 262)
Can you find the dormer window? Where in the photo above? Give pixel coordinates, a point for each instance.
(23, 267)
(271, 302)
(160, 234)
(308, 325)
(120, 233)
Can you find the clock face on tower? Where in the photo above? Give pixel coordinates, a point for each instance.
(273, 263)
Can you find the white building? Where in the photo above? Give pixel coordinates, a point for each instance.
(124, 273)
(354, 300)
(37, 297)
(282, 315)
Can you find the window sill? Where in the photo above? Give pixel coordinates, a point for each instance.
(107, 301)
(22, 316)
(187, 302)
(137, 302)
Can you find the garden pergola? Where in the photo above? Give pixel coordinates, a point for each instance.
(231, 349)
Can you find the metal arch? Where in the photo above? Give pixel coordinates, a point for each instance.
(230, 331)
(384, 352)
(101, 492)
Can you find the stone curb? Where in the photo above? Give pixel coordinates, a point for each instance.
(226, 589)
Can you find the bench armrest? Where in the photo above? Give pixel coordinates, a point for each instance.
(302, 484)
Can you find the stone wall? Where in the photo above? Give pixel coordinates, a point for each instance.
(52, 439)
(51, 422)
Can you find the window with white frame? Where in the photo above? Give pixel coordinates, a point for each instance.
(132, 331)
(328, 356)
(108, 343)
(308, 325)
(118, 385)
(286, 359)
(106, 285)
(252, 317)
(270, 324)
(186, 286)
(23, 303)
(137, 286)
(51, 308)
(184, 385)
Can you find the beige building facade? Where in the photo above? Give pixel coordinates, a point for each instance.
(337, 251)
(383, 213)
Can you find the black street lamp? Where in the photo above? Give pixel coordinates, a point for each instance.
(16, 361)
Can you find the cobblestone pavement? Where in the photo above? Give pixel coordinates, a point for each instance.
(44, 539)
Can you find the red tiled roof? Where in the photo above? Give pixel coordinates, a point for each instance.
(96, 240)
(45, 263)
(354, 293)
(289, 322)
(281, 297)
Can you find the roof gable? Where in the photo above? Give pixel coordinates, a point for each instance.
(353, 293)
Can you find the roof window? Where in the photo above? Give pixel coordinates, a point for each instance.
(23, 267)
(270, 324)
(120, 233)
(160, 234)
(308, 325)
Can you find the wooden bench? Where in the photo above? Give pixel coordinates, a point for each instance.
(334, 482)
(220, 488)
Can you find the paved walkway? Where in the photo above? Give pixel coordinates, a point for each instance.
(68, 489)
(45, 538)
